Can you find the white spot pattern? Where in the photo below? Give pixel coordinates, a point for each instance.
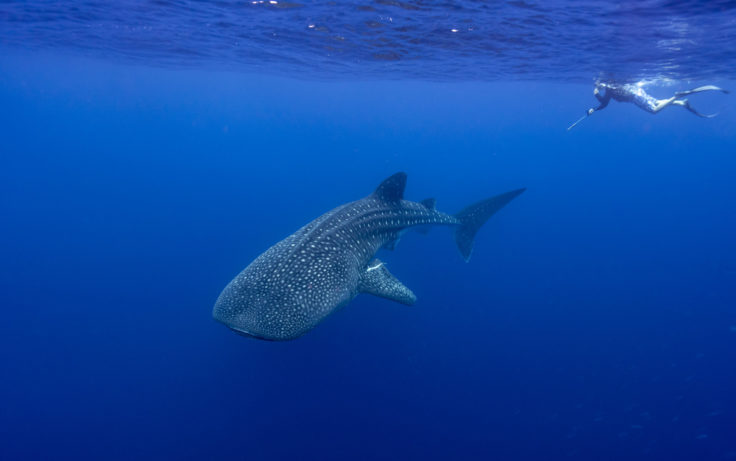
(296, 283)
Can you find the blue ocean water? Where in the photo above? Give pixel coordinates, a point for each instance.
(150, 150)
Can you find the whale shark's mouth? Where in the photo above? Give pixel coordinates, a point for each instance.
(248, 334)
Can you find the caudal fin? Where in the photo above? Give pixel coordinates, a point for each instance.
(473, 217)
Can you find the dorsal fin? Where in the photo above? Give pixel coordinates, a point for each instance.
(392, 188)
(429, 203)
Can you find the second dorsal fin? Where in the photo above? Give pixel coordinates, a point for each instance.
(392, 188)
(429, 203)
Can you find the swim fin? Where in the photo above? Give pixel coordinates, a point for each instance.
(699, 89)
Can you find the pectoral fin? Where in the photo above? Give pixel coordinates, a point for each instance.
(378, 281)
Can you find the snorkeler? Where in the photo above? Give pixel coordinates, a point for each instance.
(604, 92)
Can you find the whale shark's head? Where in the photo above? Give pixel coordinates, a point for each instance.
(279, 303)
(249, 309)
(286, 291)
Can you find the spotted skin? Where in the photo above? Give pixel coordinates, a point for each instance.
(299, 281)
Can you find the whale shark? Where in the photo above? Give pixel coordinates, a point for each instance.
(294, 285)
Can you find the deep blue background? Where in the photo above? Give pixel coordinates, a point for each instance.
(596, 320)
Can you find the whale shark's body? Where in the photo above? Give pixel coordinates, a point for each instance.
(296, 283)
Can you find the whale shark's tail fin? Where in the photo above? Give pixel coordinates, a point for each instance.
(473, 217)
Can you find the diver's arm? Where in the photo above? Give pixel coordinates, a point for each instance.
(604, 100)
(597, 94)
(602, 105)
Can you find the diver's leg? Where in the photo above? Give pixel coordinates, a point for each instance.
(680, 94)
(655, 105)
